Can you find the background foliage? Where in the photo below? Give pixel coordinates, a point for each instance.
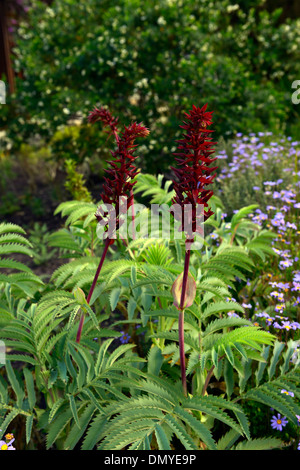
(148, 61)
(120, 388)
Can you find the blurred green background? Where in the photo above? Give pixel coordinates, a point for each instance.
(147, 61)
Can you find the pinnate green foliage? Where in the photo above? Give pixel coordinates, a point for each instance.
(101, 394)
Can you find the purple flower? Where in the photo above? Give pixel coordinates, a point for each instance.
(285, 263)
(124, 338)
(286, 325)
(296, 286)
(287, 393)
(246, 305)
(233, 314)
(7, 445)
(274, 294)
(281, 318)
(296, 278)
(283, 285)
(291, 225)
(277, 422)
(262, 314)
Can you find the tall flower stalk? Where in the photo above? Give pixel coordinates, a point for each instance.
(193, 175)
(118, 185)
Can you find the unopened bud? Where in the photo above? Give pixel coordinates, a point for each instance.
(79, 296)
(190, 291)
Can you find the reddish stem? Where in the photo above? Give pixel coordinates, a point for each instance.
(133, 216)
(79, 331)
(181, 320)
(185, 277)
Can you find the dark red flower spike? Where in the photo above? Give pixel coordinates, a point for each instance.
(117, 188)
(193, 176)
(193, 158)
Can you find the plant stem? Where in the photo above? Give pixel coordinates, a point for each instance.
(181, 351)
(181, 320)
(79, 331)
(133, 215)
(209, 375)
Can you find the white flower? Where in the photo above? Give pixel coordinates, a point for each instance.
(161, 21)
(232, 8)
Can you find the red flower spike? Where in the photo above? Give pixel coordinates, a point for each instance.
(122, 171)
(103, 115)
(116, 188)
(194, 173)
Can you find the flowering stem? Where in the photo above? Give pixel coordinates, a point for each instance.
(133, 216)
(181, 320)
(79, 331)
(181, 351)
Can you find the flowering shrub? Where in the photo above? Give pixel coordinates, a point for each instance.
(152, 62)
(273, 299)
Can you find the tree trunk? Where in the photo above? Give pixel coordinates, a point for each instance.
(5, 61)
(290, 8)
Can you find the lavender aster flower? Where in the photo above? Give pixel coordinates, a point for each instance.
(124, 338)
(7, 445)
(277, 422)
(286, 325)
(291, 394)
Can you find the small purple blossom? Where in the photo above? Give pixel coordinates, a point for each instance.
(296, 277)
(279, 307)
(262, 315)
(233, 314)
(7, 445)
(277, 422)
(246, 305)
(286, 325)
(291, 394)
(124, 338)
(286, 263)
